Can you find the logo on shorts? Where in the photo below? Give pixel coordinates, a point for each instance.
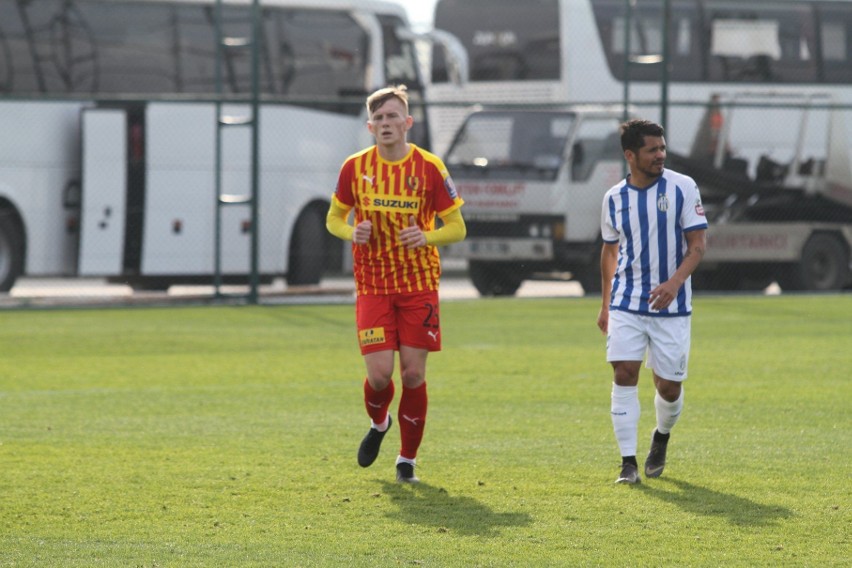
(371, 336)
(433, 335)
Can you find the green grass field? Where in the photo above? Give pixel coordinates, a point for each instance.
(227, 436)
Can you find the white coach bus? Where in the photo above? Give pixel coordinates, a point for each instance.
(108, 147)
(760, 115)
(572, 51)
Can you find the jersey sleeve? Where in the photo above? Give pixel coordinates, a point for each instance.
(693, 217)
(609, 234)
(447, 198)
(343, 190)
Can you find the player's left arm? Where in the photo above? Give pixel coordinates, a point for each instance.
(448, 204)
(453, 231)
(666, 292)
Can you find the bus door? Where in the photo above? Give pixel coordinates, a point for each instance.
(104, 181)
(180, 202)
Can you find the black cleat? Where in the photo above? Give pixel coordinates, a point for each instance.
(405, 473)
(629, 474)
(368, 451)
(656, 460)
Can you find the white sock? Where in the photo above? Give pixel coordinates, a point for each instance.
(400, 459)
(625, 412)
(383, 426)
(667, 412)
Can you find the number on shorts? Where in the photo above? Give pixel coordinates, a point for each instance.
(432, 318)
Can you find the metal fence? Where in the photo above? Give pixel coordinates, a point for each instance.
(773, 169)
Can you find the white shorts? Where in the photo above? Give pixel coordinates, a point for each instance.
(665, 340)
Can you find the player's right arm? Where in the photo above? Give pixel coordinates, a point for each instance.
(609, 259)
(342, 202)
(335, 222)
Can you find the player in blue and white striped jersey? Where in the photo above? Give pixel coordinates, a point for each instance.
(653, 228)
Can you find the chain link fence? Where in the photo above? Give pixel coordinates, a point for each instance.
(155, 193)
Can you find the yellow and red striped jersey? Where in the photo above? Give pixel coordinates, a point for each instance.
(388, 194)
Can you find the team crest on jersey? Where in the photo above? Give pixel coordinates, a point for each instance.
(663, 203)
(371, 336)
(413, 183)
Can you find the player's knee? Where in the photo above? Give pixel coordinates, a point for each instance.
(668, 390)
(413, 377)
(625, 375)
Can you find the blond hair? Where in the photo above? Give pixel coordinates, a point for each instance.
(380, 97)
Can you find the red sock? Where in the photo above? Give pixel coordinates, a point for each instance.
(412, 419)
(377, 402)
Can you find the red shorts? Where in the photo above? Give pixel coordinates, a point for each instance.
(388, 321)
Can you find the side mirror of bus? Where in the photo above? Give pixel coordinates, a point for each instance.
(458, 63)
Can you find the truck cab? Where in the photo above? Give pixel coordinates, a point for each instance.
(533, 181)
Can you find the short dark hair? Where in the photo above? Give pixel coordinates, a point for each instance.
(633, 133)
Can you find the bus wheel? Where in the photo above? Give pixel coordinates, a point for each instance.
(307, 250)
(495, 278)
(824, 266)
(11, 251)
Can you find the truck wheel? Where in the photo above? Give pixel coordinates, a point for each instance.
(824, 266)
(11, 251)
(495, 279)
(307, 250)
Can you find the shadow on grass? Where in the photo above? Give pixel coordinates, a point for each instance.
(424, 504)
(703, 501)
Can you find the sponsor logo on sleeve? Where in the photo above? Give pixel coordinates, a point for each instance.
(698, 207)
(451, 187)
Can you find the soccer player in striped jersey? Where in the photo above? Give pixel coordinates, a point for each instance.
(653, 229)
(396, 190)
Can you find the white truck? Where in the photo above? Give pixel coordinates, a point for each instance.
(533, 182)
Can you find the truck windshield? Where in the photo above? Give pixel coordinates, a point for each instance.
(517, 145)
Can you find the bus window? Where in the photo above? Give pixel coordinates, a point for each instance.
(316, 53)
(835, 25)
(132, 51)
(760, 42)
(49, 48)
(506, 40)
(646, 44)
(85, 47)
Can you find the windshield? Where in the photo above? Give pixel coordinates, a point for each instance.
(512, 144)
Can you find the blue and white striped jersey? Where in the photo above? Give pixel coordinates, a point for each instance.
(650, 225)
